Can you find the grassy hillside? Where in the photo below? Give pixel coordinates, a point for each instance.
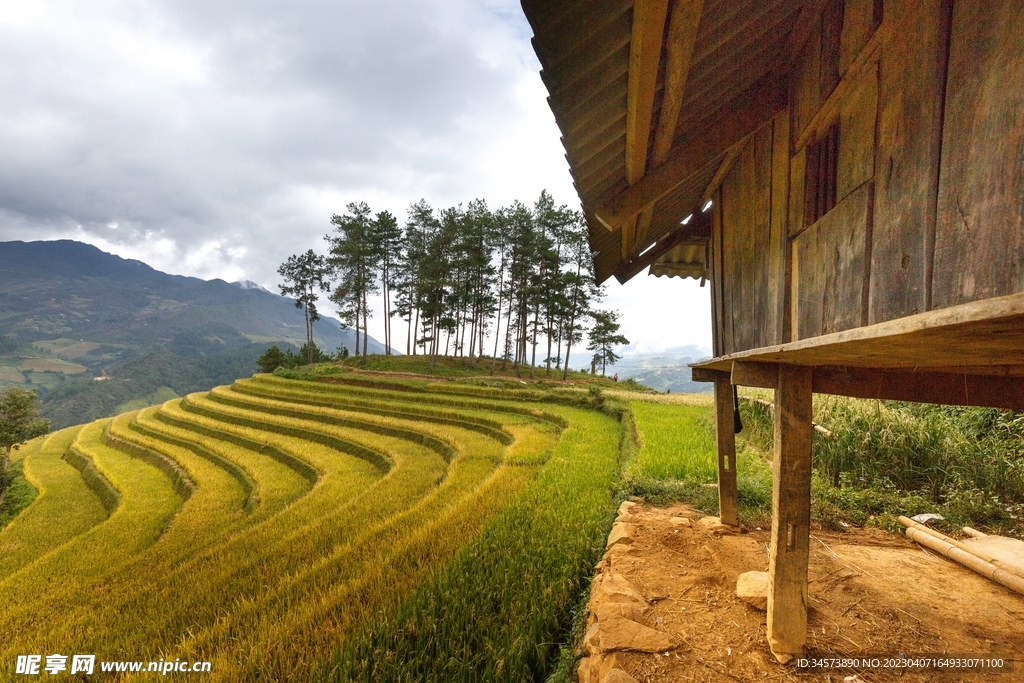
(70, 313)
(389, 528)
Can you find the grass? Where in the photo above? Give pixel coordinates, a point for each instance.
(676, 460)
(18, 493)
(374, 526)
(240, 523)
(54, 583)
(64, 507)
(887, 458)
(274, 483)
(495, 613)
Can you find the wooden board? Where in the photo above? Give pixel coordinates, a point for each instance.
(971, 337)
(778, 248)
(805, 98)
(737, 228)
(831, 33)
(907, 157)
(857, 134)
(747, 223)
(829, 262)
(725, 443)
(859, 23)
(759, 299)
(979, 237)
(719, 278)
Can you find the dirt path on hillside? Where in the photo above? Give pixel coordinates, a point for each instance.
(870, 592)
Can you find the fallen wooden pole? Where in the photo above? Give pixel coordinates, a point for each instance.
(972, 562)
(911, 524)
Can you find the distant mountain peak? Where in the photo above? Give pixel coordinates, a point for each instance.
(249, 284)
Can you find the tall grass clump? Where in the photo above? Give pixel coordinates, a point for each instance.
(886, 458)
(676, 459)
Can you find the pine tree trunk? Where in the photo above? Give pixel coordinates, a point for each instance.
(366, 332)
(536, 320)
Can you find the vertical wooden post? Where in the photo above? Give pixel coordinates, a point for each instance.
(726, 442)
(791, 514)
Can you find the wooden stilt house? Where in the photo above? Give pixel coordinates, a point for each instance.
(847, 175)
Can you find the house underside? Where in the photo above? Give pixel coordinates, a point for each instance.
(847, 175)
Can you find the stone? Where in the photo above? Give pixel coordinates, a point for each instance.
(621, 533)
(629, 610)
(591, 644)
(611, 660)
(752, 588)
(626, 507)
(714, 525)
(615, 588)
(681, 521)
(620, 633)
(583, 671)
(618, 676)
(627, 518)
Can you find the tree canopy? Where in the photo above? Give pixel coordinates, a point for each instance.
(19, 422)
(305, 277)
(457, 276)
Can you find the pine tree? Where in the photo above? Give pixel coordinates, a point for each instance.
(388, 238)
(306, 276)
(604, 336)
(354, 258)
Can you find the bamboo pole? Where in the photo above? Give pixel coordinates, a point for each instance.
(969, 560)
(977, 552)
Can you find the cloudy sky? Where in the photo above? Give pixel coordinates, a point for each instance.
(215, 139)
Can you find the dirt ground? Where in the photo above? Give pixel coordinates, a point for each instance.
(870, 592)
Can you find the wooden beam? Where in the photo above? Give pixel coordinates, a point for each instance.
(791, 515)
(829, 111)
(723, 169)
(753, 374)
(978, 334)
(725, 442)
(726, 127)
(644, 60)
(963, 389)
(682, 34)
(699, 228)
(802, 29)
(708, 375)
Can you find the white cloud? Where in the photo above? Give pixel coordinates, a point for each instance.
(216, 139)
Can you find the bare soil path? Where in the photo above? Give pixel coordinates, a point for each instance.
(871, 592)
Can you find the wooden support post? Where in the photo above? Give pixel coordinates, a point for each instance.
(726, 442)
(791, 514)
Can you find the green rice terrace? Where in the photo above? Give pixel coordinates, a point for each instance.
(397, 531)
(349, 525)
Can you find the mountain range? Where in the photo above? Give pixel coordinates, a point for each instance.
(666, 370)
(71, 313)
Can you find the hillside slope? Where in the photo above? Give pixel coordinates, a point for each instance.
(70, 312)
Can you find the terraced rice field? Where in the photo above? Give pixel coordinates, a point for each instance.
(293, 530)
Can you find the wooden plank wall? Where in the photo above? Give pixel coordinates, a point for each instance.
(751, 231)
(979, 237)
(929, 101)
(912, 81)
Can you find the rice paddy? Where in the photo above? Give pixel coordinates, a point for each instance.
(303, 530)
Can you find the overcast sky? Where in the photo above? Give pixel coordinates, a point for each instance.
(215, 139)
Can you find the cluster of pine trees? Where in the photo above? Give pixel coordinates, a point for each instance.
(516, 278)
